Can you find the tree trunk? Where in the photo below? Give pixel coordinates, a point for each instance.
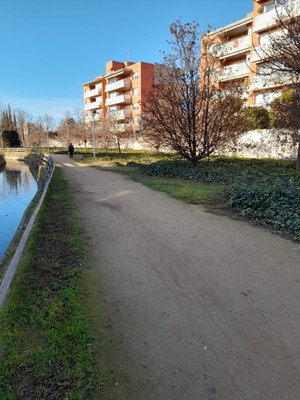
(298, 157)
(119, 147)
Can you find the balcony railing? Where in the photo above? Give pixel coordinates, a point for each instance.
(122, 99)
(235, 46)
(261, 82)
(269, 19)
(233, 71)
(94, 104)
(260, 53)
(93, 92)
(122, 127)
(119, 114)
(89, 118)
(124, 84)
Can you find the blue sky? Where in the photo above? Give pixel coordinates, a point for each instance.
(49, 48)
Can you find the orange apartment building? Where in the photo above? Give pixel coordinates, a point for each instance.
(241, 54)
(120, 94)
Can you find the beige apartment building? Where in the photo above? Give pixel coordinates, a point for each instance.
(241, 54)
(120, 94)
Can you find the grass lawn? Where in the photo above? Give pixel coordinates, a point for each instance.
(188, 191)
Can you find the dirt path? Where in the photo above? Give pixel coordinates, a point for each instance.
(206, 307)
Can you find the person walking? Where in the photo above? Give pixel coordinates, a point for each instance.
(71, 150)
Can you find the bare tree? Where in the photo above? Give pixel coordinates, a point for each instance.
(188, 110)
(113, 132)
(80, 132)
(22, 118)
(281, 63)
(106, 138)
(281, 55)
(38, 132)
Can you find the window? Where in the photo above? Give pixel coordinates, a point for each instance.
(271, 5)
(136, 122)
(268, 6)
(135, 91)
(136, 106)
(135, 75)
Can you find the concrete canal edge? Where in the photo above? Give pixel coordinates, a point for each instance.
(9, 275)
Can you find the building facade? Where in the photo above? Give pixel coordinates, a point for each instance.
(244, 45)
(120, 95)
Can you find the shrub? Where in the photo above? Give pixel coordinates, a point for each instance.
(285, 110)
(257, 118)
(11, 138)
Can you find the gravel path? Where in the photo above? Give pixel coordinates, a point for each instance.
(204, 307)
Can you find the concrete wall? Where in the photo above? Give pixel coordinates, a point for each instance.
(264, 143)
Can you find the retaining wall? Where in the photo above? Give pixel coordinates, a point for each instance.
(264, 143)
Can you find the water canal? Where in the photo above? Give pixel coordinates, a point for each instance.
(17, 189)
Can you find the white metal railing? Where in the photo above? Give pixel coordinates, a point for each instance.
(234, 46)
(233, 71)
(120, 84)
(269, 19)
(124, 98)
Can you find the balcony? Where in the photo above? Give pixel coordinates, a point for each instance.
(260, 53)
(120, 114)
(234, 47)
(260, 82)
(94, 92)
(234, 71)
(122, 84)
(122, 127)
(89, 118)
(94, 104)
(122, 99)
(268, 19)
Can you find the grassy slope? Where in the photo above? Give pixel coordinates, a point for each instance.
(45, 342)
